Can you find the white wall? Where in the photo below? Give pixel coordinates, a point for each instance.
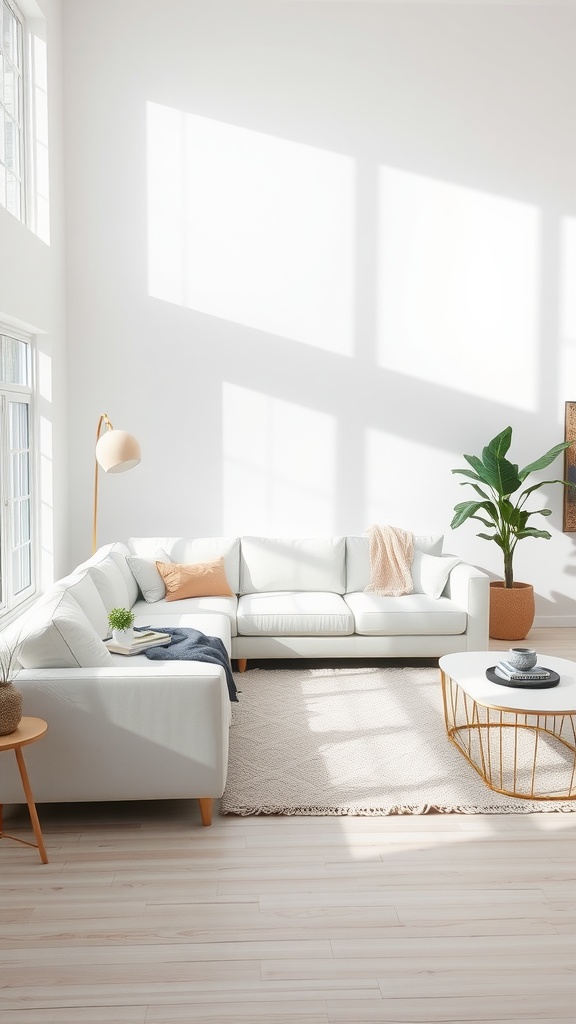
(32, 280)
(315, 252)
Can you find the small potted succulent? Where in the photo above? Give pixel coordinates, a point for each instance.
(121, 621)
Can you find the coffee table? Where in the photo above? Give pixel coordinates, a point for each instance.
(522, 742)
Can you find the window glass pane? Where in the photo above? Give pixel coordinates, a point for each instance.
(16, 465)
(19, 434)
(12, 194)
(21, 568)
(20, 475)
(21, 522)
(10, 35)
(15, 369)
(11, 109)
(12, 91)
(12, 142)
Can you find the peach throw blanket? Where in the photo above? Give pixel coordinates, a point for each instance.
(391, 552)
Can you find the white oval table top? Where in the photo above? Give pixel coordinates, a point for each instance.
(468, 669)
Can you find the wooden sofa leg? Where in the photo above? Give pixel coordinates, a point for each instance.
(206, 809)
(242, 662)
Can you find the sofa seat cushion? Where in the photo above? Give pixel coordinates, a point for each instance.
(160, 611)
(210, 625)
(409, 615)
(287, 613)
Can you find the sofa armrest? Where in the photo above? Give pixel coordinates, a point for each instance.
(121, 733)
(469, 588)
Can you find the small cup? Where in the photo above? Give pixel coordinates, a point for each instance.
(522, 658)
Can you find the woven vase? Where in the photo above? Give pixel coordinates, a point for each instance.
(10, 708)
(511, 610)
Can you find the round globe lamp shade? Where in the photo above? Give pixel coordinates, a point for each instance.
(117, 451)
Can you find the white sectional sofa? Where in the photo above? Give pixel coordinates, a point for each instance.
(130, 728)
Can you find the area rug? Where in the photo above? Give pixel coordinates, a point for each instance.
(358, 741)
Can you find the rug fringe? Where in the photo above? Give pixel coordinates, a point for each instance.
(382, 812)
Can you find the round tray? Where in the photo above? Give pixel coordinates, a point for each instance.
(528, 684)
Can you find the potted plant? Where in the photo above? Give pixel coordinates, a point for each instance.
(121, 621)
(503, 496)
(10, 697)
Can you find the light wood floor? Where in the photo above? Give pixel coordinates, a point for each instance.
(144, 916)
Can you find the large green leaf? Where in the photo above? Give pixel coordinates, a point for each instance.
(503, 475)
(529, 532)
(500, 444)
(469, 473)
(464, 510)
(477, 466)
(544, 461)
(490, 536)
(536, 487)
(486, 497)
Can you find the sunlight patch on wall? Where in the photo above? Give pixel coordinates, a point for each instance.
(567, 367)
(251, 228)
(41, 189)
(458, 288)
(410, 484)
(279, 466)
(46, 483)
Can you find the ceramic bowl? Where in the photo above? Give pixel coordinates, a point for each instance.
(522, 658)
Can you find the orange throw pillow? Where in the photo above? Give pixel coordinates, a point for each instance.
(205, 579)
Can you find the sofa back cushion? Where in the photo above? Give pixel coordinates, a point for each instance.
(358, 558)
(111, 558)
(111, 584)
(119, 553)
(270, 564)
(56, 633)
(191, 551)
(83, 589)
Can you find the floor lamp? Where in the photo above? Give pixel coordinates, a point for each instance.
(116, 452)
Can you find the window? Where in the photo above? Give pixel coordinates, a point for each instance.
(11, 109)
(17, 556)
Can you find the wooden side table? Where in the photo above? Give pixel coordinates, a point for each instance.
(29, 730)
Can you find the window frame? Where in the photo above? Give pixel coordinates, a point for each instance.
(11, 602)
(24, 120)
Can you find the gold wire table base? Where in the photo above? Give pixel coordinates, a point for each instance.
(516, 753)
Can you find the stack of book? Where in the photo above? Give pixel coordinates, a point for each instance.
(509, 672)
(142, 640)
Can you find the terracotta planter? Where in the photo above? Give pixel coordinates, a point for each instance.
(511, 610)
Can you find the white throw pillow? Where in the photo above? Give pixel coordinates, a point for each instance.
(147, 576)
(57, 634)
(430, 573)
